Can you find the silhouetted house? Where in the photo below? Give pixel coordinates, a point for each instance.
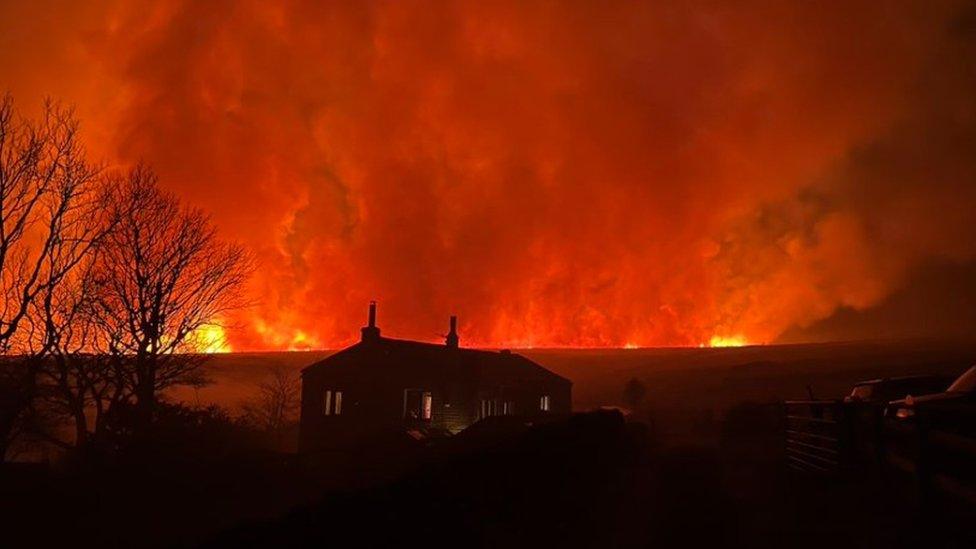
(383, 385)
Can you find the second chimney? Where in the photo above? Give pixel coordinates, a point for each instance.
(371, 332)
(452, 336)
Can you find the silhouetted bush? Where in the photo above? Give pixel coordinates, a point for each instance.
(178, 433)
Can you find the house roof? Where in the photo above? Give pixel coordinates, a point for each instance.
(502, 363)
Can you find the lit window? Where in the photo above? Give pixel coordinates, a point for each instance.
(489, 408)
(428, 401)
(417, 405)
(544, 403)
(331, 402)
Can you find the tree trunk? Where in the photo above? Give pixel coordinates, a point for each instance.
(7, 421)
(81, 427)
(16, 397)
(145, 396)
(145, 404)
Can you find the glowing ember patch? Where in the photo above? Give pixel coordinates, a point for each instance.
(631, 346)
(731, 341)
(287, 339)
(300, 341)
(210, 338)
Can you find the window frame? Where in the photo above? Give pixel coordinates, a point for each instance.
(426, 404)
(331, 402)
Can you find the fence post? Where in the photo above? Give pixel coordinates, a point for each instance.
(923, 477)
(845, 438)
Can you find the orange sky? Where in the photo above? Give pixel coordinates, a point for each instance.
(557, 174)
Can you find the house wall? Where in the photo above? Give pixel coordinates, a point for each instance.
(368, 408)
(526, 397)
(454, 408)
(371, 404)
(373, 392)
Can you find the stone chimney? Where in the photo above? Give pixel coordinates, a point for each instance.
(371, 332)
(452, 336)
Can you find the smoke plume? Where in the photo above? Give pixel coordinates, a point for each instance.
(555, 173)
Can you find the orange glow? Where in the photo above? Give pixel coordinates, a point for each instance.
(286, 340)
(733, 341)
(557, 174)
(209, 339)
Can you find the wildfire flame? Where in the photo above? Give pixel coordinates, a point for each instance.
(283, 338)
(209, 338)
(557, 174)
(727, 341)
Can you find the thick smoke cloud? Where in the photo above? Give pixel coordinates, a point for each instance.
(579, 173)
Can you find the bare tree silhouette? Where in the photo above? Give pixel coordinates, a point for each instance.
(161, 275)
(276, 405)
(46, 207)
(76, 379)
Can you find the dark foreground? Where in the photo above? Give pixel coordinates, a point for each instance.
(591, 480)
(596, 481)
(701, 463)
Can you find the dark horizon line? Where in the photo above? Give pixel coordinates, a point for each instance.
(877, 340)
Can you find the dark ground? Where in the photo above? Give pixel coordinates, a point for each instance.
(700, 464)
